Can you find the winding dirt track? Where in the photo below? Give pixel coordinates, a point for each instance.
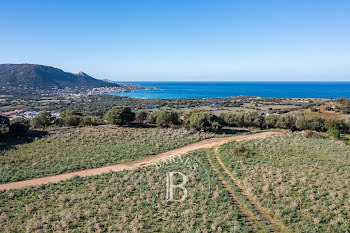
(275, 224)
(139, 163)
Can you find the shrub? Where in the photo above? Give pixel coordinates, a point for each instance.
(71, 118)
(141, 116)
(271, 121)
(68, 113)
(4, 125)
(248, 119)
(341, 125)
(308, 123)
(314, 109)
(42, 120)
(120, 116)
(19, 126)
(309, 134)
(241, 150)
(202, 121)
(287, 122)
(167, 119)
(253, 119)
(235, 119)
(90, 121)
(345, 105)
(335, 133)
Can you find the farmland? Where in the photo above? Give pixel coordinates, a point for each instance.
(129, 201)
(303, 182)
(72, 149)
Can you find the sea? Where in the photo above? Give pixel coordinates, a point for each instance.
(173, 90)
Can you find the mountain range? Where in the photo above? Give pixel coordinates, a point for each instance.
(42, 77)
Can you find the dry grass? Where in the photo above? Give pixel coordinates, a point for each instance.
(326, 114)
(304, 182)
(89, 147)
(132, 201)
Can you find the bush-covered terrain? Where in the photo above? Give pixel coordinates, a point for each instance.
(130, 201)
(305, 182)
(71, 149)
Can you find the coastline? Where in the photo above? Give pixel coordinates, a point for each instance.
(203, 90)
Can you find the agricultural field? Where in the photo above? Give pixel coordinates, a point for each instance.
(303, 182)
(128, 201)
(72, 149)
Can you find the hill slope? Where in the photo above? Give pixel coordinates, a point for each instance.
(45, 77)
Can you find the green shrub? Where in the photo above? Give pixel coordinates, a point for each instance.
(167, 118)
(308, 123)
(19, 126)
(202, 121)
(341, 125)
(120, 116)
(72, 120)
(4, 125)
(335, 133)
(42, 120)
(286, 122)
(271, 121)
(141, 116)
(242, 150)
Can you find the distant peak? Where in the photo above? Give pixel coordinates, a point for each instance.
(81, 73)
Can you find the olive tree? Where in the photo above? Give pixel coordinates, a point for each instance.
(119, 116)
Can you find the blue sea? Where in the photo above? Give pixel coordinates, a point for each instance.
(170, 90)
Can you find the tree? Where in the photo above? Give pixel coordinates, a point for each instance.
(19, 126)
(4, 125)
(233, 119)
(68, 113)
(286, 122)
(202, 121)
(72, 120)
(302, 122)
(141, 116)
(271, 121)
(167, 118)
(42, 120)
(71, 117)
(120, 116)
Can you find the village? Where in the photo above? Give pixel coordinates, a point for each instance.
(21, 113)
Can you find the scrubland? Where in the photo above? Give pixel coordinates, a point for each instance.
(72, 149)
(129, 201)
(304, 182)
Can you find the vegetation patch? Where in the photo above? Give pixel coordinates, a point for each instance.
(129, 201)
(73, 149)
(302, 181)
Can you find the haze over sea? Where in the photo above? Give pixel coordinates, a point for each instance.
(170, 90)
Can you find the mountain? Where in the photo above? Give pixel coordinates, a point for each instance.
(45, 77)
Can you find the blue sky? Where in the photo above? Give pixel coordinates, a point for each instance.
(182, 40)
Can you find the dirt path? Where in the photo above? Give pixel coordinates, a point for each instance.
(139, 163)
(275, 224)
(250, 218)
